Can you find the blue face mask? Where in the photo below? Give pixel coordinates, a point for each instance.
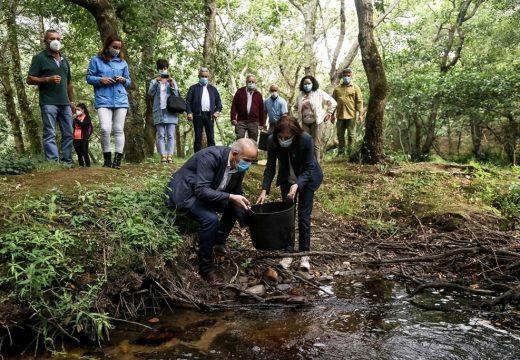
(242, 166)
(251, 85)
(347, 79)
(285, 143)
(307, 88)
(203, 81)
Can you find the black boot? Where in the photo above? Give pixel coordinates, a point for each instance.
(107, 157)
(116, 164)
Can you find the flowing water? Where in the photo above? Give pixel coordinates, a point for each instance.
(365, 319)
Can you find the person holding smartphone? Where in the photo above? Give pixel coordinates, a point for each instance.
(160, 88)
(108, 73)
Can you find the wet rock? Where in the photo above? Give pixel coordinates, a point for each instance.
(304, 275)
(297, 300)
(258, 290)
(270, 274)
(283, 287)
(324, 278)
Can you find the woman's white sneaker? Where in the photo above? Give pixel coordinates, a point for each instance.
(304, 263)
(286, 262)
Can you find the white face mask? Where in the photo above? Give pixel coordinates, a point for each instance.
(274, 94)
(113, 52)
(55, 45)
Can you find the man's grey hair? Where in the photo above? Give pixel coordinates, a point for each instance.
(242, 144)
(250, 76)
(347, 70)
(49, 31)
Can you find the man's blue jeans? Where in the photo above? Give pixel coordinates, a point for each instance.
(63, 115)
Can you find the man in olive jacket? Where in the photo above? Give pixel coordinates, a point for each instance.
(350, 103)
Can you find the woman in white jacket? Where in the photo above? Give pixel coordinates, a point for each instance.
(313, 107)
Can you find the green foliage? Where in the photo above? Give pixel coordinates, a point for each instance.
(16, 165)
(50, 262)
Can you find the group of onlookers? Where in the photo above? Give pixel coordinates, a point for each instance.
(211, 180)
(109, 75)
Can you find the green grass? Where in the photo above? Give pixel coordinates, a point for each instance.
(60, 253)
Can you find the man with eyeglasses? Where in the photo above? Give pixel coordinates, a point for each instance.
(210, 182)
(203, 106)
(50, 71)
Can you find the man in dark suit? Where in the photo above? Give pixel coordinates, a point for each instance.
(203, 106)
(210, 182)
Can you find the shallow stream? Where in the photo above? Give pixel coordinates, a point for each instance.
(365, 319)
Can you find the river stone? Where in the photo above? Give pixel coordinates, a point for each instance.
(326, 278)
(297, 300)
(283, 287)
(258, 290)
(304, 275)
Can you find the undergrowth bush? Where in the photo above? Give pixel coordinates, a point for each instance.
(50, 245)
(16, 165)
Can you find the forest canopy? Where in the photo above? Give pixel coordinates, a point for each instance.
(451, 66)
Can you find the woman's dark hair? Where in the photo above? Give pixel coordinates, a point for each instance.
(84, 108)
(105, 54)
(290, 123)
(315, 84)
(161, 64)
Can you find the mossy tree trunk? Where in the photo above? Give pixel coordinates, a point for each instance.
(372, 148)
(32, 124)
(10, 104)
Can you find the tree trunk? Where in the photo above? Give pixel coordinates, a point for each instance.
(10, 104)
(418, 129)
(449, 58)
(476, 136)
(372, 148)
(431, 126)
(104, 13)
(32, 125)
(208, 49)
(148, 72)
(149, 128)
(308, 10)
(336, 70)
(512, 132)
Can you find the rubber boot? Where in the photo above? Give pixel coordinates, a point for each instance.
(107, 159)
(116, 164)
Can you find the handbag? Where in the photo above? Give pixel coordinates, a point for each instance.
(262, 141)
(175, 104)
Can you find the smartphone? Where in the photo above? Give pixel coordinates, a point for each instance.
(165, 76)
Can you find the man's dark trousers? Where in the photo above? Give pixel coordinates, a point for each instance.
(212, 231)
(203, 121)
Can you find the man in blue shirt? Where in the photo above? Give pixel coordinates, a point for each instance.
(274, 106)
(203, 106)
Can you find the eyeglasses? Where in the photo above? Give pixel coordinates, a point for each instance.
(203, 76)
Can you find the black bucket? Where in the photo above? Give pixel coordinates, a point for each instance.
(272, 225)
